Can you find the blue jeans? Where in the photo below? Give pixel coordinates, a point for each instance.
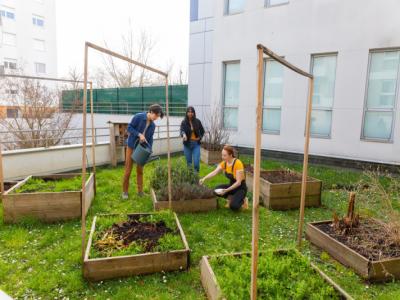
(192, 154)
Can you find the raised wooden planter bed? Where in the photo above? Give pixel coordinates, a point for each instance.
(380, 270)
(214, 292)
(47, 206)
(210, 157)
(284, 196)
(96, 269)
(186, 206)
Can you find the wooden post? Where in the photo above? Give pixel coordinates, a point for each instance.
(83, 209)
(305, 163)
(93, 136)
(168, 146)
(256, 181)
(1, 172)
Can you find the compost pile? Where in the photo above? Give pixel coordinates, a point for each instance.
(144, 233)
(279, 176)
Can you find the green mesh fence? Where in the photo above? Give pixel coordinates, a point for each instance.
(128, 100)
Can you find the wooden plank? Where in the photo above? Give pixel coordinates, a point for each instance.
(384, 270)
(185, 206)
(90, 191)
(47, 207)
(96, 269)
(337, 250)
(18, 185)
(286, 203)
(209, 280)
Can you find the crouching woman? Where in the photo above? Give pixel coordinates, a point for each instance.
(236, 190)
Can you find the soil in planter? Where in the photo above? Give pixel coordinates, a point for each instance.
(185, 191)
(281, 275)
(370, 239)
(44, 185)
(279, 176)
(136, 234)
(8, 185)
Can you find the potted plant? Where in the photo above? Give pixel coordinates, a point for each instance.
(187, 194)
(214, 139)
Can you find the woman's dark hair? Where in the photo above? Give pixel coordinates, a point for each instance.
(190, 109)
(156, 109)
(230, 150)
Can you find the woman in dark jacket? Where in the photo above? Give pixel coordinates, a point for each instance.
(192, 132)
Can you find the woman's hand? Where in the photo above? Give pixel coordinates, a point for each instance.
(223, 192)
(201, 181)
(142, 138)
(184, 137)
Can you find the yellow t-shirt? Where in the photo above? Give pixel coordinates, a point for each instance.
(238, 166)
(193, 137)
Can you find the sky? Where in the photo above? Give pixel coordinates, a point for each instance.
(166, 21)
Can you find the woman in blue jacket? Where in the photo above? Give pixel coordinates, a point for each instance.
(140, 130)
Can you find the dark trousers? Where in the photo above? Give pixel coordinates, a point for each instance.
(237, 196)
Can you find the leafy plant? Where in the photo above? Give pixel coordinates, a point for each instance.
(184, 183)
(57, 185)
(281, 275)
(185, 191)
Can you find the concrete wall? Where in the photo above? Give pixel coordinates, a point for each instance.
(18, 164)
(296, 31)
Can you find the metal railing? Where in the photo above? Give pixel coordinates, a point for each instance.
(70, 136)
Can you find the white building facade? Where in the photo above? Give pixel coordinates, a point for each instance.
(351, 47)
(28, 37)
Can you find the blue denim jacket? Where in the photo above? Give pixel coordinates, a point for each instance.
(137, 126)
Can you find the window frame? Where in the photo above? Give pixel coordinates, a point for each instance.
(15, 38)
(39, 40)
(223, 106)
(267, 4)
(271, 107)
(36, 67)
(35, 18)
(7, 10)
(392, 110)
(314, 55)
(226, 8)
(8, 61)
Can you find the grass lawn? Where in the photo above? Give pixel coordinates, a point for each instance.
(40, 261)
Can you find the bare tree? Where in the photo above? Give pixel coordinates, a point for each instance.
(216, 135)
(37, 120)
(139, 48)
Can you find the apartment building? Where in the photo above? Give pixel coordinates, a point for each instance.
(351, 47)
(28, 37)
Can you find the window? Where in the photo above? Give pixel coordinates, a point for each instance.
(231, 94)
(39, 45)
(269, 3)
(10, 63)
(234, 6)
(194, 10)
(324, 71)
(273, 94)
(7, 13)
(381, 95)
(12, 113)
(9, 39)
(38, 21)
(40, 68)
(11, 91)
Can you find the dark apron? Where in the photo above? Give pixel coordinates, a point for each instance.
(232, 180)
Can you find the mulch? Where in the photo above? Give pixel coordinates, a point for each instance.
(278, 176)
(370, 238)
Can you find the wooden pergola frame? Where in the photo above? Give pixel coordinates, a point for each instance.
(88, 46)
(84, 111)
(261, 50)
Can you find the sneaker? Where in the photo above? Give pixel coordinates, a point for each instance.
(125, 196)
(245, 205)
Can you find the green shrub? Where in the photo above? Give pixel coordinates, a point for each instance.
(57, 185)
